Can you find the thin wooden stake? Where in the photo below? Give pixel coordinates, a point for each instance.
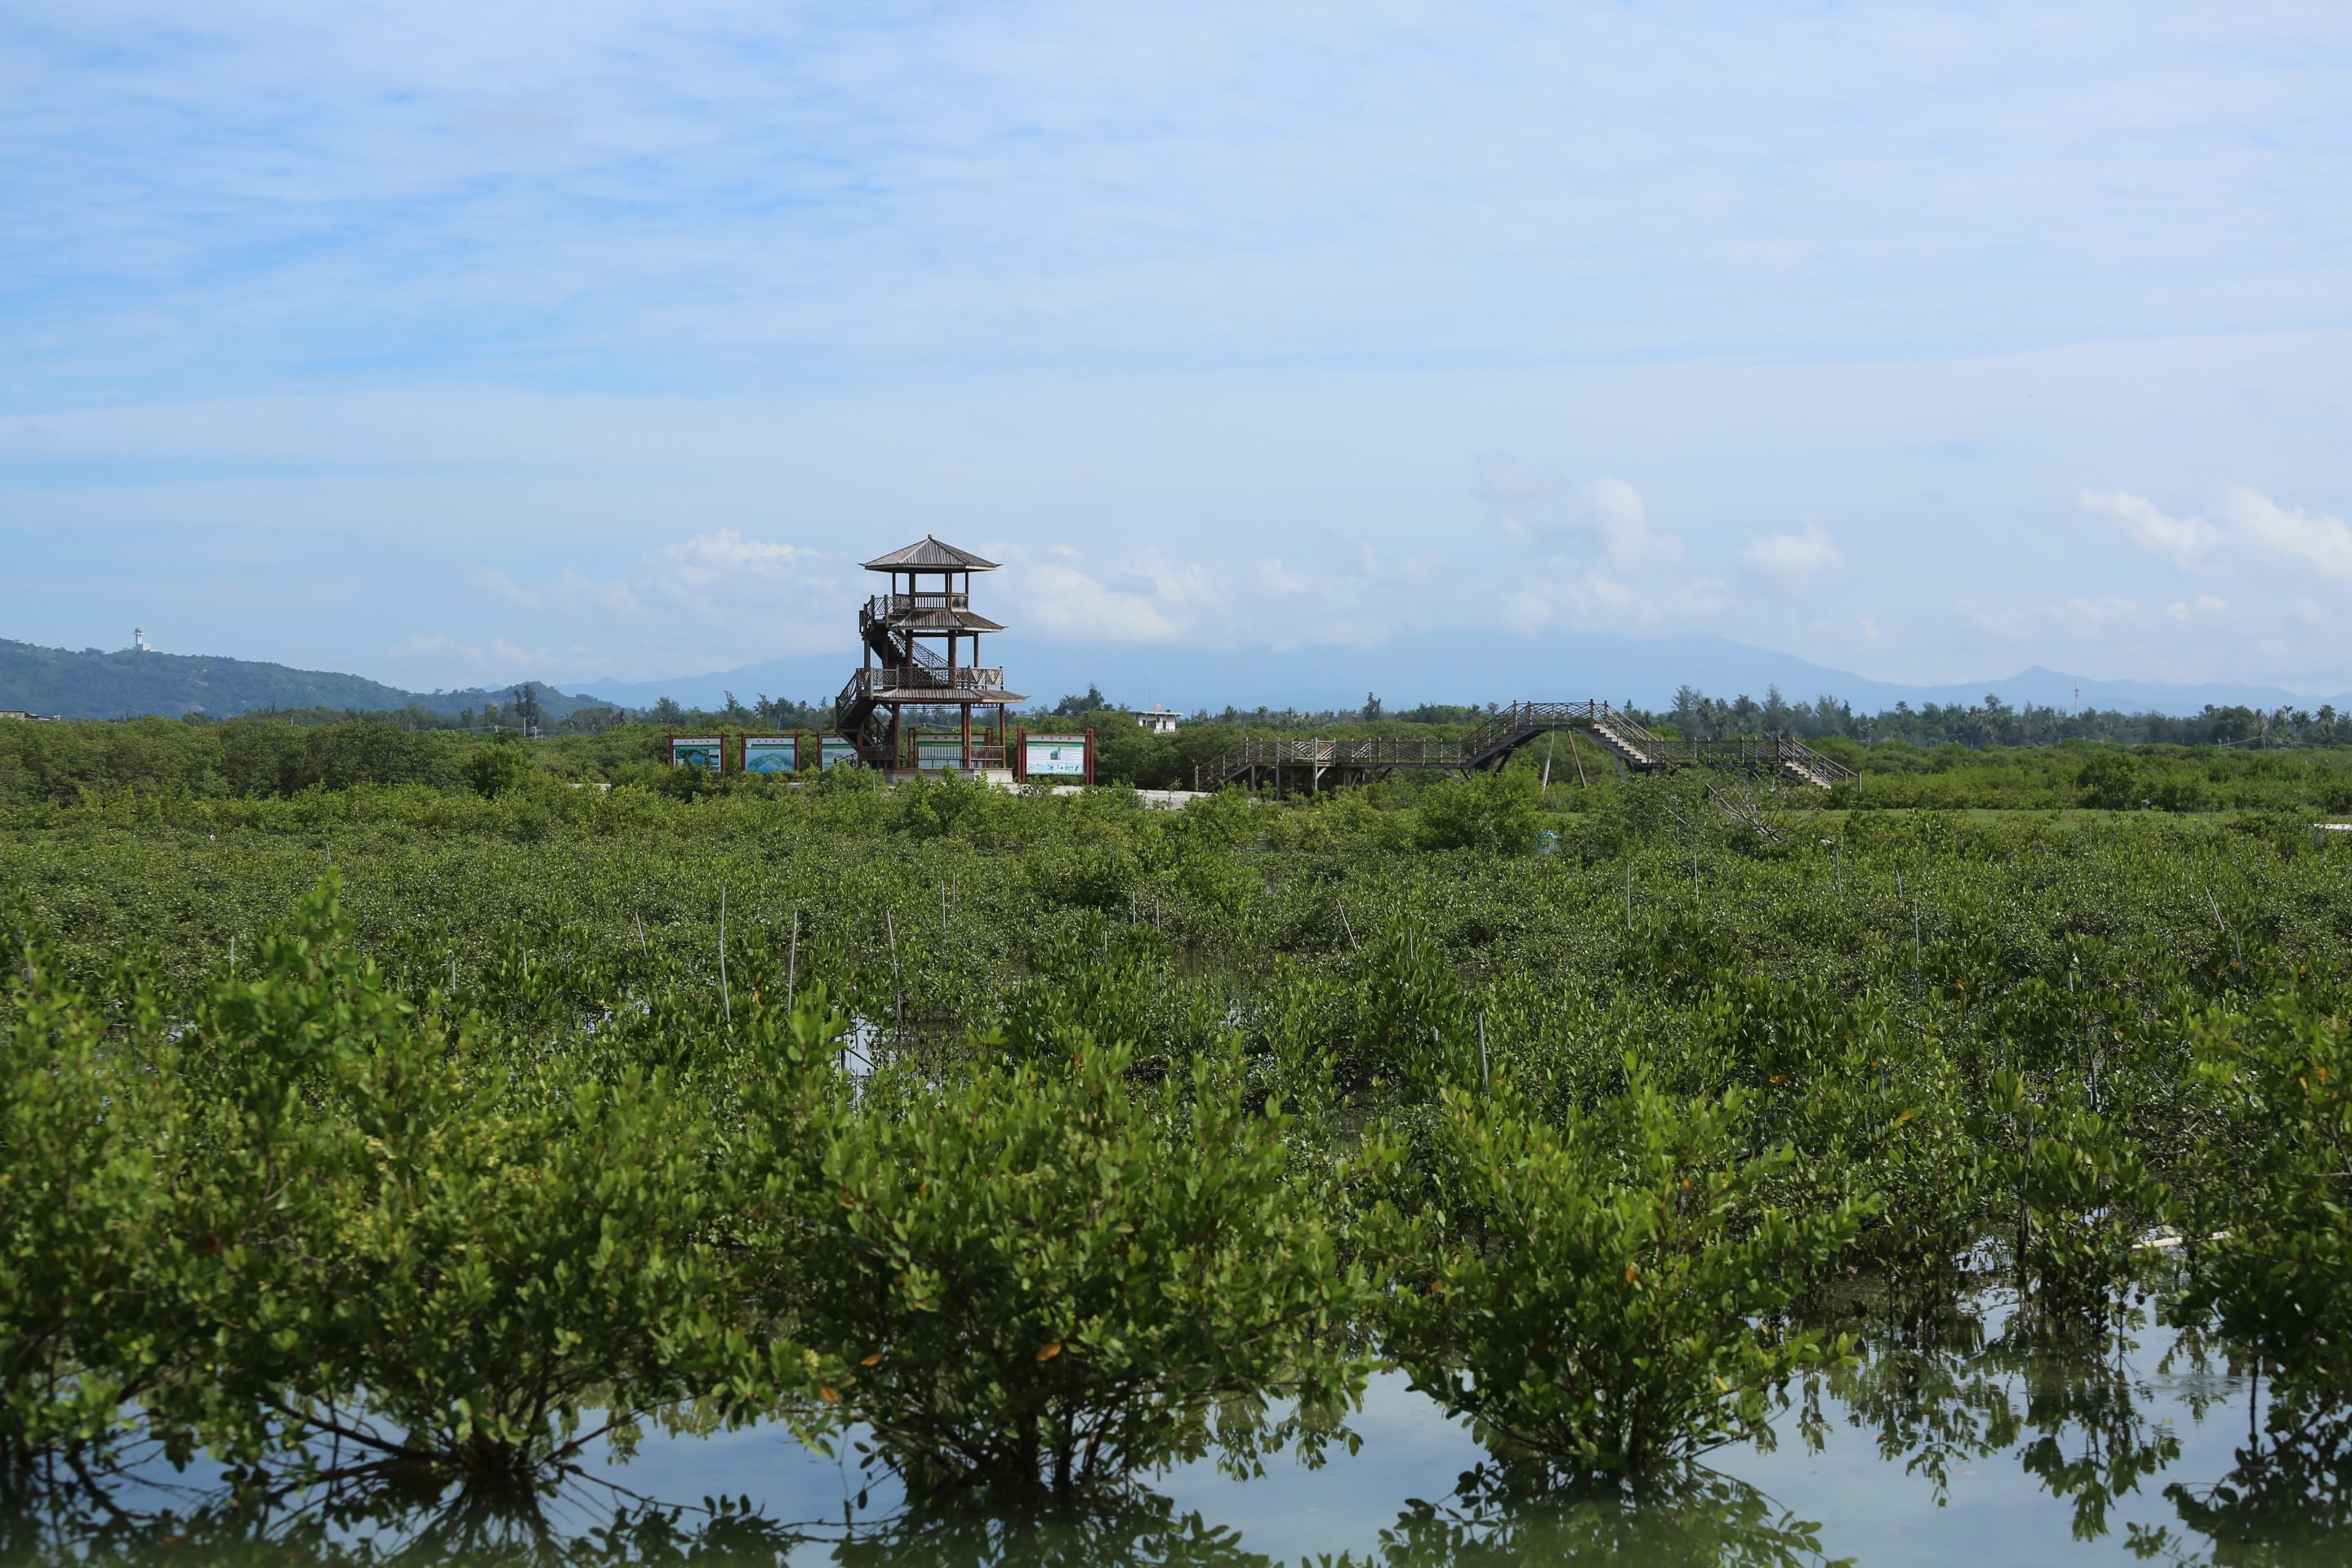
(641, 945)
(899, 975)
(1486, 1080)
(1578, 757)
(232, 953)
(2239, 947)
(793, 965)
(724, 1000)
(1550, 737)
(1346, 926)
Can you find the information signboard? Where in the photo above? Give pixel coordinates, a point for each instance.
(705, 751)
(939, 754)
(771, 754)
(1062, 755)
(838, 753)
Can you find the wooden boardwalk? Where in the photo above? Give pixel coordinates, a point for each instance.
(1313, 764)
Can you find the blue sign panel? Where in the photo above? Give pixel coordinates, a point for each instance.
(770, 754)
(1060, 754)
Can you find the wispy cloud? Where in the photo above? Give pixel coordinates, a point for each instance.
(1539, 509)
(710, 601)
(2248, 531)
(1785, 564)
(626, 193)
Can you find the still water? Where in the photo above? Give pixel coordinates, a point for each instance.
(1969, 1437)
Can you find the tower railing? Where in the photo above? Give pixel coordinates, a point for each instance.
(899, 680)
(881, 606)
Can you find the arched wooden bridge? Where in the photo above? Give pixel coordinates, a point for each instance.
(1315, 764)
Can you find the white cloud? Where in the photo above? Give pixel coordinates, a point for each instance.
(2253, 533)
(1055, 599)
(715, 599)
(1786, 563)
(2184, 539)
(2290, 533)
(1605, 520)
(1615, 519)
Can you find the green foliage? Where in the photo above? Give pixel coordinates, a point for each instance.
(1496, 812)
(475, 1149)
(1413, 1027)
(1037, 1275)
(319, 1214)
(2109, 781)
(496, 1258)
(1587, 1294)
(81, 1198)
(2082, 1194)
(2272, 1244)
(495, 769)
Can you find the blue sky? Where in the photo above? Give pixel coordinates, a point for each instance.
(457, 344)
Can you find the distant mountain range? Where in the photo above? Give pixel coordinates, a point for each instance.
(93, 684)
(1403, 673)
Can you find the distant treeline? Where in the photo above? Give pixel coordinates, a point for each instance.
(1992, 722)
(2293, 768)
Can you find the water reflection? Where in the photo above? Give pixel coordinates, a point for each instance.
(2287, 1502)
(1962, 1399)
(400, 1522)
(1691, 1518)
(1694, 1516)
(1113, 1527)
(1975, 1376)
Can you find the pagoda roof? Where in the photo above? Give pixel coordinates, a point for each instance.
(928, 554)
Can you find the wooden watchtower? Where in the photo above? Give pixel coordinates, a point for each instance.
(916, 657)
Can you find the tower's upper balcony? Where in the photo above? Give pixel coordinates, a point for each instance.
(926, 612)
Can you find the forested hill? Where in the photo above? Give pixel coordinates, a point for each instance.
(95, 685)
